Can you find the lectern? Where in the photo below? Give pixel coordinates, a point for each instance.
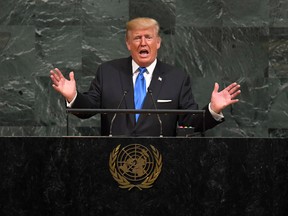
(194, 176)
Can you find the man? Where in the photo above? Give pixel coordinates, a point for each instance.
(171, 88)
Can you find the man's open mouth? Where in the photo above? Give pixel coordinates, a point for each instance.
(144, 52)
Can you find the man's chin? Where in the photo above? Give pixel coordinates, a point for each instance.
(144, 63)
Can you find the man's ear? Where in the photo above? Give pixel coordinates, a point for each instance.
(128, 45)
(159, 42)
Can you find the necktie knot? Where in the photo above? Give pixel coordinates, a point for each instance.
(142, 70)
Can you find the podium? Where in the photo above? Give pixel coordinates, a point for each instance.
(199, 176)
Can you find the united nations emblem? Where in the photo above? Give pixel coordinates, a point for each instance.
(135, 166)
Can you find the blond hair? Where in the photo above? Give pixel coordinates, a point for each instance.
(142, 23)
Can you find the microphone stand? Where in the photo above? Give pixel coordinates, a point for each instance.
(157, 114)
(115, 114)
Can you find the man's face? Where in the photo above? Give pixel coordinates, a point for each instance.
(143, 45)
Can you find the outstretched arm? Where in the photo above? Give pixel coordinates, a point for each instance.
(220, 100)
(62, 85)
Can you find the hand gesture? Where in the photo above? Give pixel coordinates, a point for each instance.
(224, 98)
(64, 86)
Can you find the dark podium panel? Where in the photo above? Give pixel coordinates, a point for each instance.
(200, 176)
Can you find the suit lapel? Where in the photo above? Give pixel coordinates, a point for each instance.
(155, 87)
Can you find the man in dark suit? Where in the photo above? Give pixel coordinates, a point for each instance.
(168, 87)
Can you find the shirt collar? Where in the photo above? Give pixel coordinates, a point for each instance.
(150, 68)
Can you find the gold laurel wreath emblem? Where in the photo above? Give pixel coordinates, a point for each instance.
(123, 182)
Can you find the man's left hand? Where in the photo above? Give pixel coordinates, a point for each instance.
(224, 98)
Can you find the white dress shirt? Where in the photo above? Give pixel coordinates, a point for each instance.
(147, 75)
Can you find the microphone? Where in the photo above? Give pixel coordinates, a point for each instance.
(115, 114)
(158, 116)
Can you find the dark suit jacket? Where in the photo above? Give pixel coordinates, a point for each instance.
(168, 83)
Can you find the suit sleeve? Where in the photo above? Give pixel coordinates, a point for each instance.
(90, 99)
(187, 101)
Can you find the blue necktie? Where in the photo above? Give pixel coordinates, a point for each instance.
(139, 90)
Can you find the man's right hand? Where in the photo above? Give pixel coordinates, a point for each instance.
(64, 86)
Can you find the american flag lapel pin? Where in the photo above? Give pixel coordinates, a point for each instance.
(160, 79)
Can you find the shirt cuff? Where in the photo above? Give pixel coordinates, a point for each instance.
(216, 116)
(69, 104)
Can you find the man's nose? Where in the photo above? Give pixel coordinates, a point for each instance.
(143, 41)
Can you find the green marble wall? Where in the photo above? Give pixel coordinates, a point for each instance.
(220, 40)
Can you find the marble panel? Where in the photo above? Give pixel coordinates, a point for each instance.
(278, 54)
(14, 12)
(198, 51)
(245, 13)
(278, 16)
(199, 13)
(245, 53)
(17, 68)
